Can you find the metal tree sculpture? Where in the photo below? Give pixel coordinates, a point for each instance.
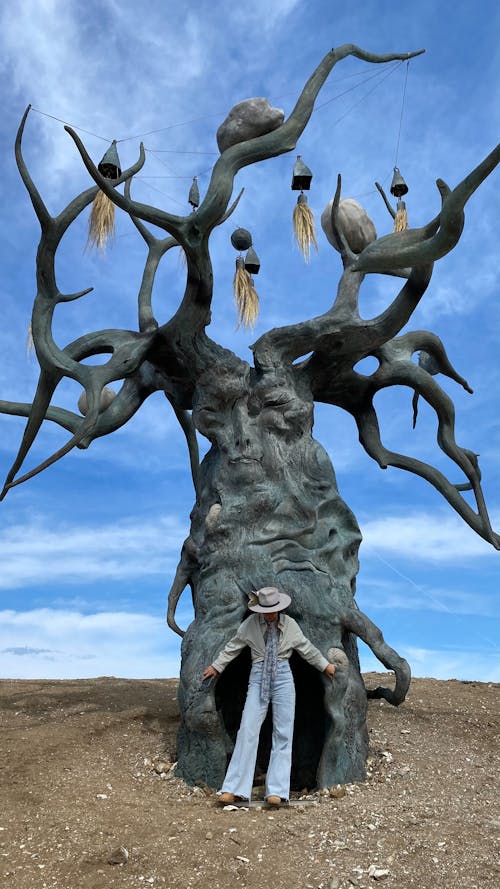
(267, 506)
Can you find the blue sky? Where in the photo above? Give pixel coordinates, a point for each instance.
(89, 548)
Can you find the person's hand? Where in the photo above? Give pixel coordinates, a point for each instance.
(330, 671)
(209, 672)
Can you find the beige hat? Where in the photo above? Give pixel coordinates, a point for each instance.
(267, 599)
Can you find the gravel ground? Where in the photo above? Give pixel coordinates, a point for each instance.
(89, 799)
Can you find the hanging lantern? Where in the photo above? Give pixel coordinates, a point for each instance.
(245, 295)
(194, 194)
(252, 262)
(301, 177)
(398, 189)
(102, 215)
(398, 185)
(303, 219)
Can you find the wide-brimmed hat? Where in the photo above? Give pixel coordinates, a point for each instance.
(267, 599)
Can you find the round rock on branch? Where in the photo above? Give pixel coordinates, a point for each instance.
(354, 221)
(247, 120)
(107, 396)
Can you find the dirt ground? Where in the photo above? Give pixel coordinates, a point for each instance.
(89, 800)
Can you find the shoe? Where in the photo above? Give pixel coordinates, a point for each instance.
(273, 801)
(225, 799)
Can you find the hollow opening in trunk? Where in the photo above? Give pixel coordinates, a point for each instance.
(310, 717)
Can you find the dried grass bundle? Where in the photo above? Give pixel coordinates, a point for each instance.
(245, 296)
(401, 220)
(303, 224)
(30, 345)
(101, 221)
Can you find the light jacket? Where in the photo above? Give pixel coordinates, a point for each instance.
(252, 633)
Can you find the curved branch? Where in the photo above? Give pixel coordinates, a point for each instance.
(126, 360)
(280, 140)
(233, 206)
(181, 580)
(189, 429)
(39, 207)
(171, 223)
(156, 250)
(386, 200)
(369, 437)
(415, 247)
(347, 255)
(424, 340)
(357, 622)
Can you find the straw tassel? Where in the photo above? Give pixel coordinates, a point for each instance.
(401, 217)
(303, 224)
(102, 215)
(30, 344)
(245, 295)
(101, 221)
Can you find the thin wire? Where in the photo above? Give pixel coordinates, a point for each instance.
(174, 151)
(219, 113)
(388, 74)
(163, 163)
(174, 200)
(204, 117)
(74, 127)
(171, 126)
(433, 598)
(401, 116)
(351, 88)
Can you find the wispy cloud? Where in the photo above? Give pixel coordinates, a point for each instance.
(387, 595)
(52, 643)
(423, 537)
(68, 553)
(469, 665)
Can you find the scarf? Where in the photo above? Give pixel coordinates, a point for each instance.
(270, 663)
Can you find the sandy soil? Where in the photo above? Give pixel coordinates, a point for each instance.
(89, 800)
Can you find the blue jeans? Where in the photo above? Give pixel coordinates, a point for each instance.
(240, 773)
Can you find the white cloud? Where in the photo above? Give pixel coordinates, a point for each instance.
(424, 537)
(50, 643)
(480, 666)
(60, 644)
(63, 552)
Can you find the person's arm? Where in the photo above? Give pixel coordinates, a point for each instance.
(303, 646)
(228, 654)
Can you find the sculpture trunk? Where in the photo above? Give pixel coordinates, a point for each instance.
(269, 512)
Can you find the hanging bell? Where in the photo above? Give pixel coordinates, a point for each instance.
(301, 178)
(109, 165)
(398, 185)
(194, 194)
(252, 262)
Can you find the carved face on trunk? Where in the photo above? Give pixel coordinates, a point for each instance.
(253, 418)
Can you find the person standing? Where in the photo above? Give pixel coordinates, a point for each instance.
(272, 637)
